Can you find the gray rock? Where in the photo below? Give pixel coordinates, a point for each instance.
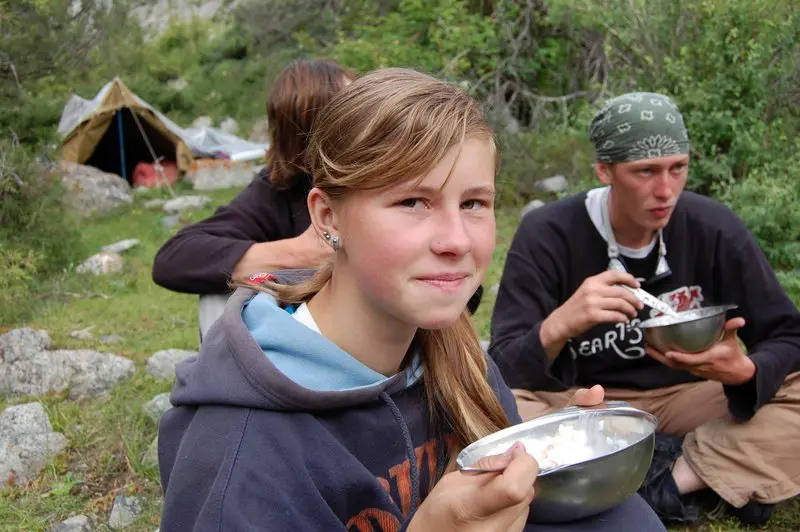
(102, 263)
(77, 523)
(555, 184)
(27, 443)
(156, 406)
(154, 204)
(168, 222)
(532, 206)
(151, 455)
(122, 245)
(20, 420)
(111, 339)
(229, 125)
(125, 511)
(260, 131)
(82, 334)
(162, 364)
(225, 174)
(494, 289)
(154, 16)
(27, 368)
(182, 203)
(91, 192)
(20, 344)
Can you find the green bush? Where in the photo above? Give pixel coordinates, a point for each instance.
(791, 283)
(732, 66)
(442, 37)
(38, 236)
(767, 200)
(17, 276)
(527, 157)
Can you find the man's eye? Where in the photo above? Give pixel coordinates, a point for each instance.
(645, 172)
(474, 204)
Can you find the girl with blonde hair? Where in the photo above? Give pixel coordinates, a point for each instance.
(338, 400)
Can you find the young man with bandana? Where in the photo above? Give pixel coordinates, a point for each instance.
(730, 417)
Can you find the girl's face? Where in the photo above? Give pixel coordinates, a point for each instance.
(417, 251)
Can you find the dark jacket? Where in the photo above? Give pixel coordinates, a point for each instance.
(199, 258)
(276, 429)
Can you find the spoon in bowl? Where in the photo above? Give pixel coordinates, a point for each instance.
(651, 301)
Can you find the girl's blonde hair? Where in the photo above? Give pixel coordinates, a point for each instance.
(389, 126)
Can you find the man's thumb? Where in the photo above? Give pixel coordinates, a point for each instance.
(732, 326)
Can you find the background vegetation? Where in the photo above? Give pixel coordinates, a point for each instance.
(540, 67)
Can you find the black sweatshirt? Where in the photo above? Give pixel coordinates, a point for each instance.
(714, 260)
(199, 258)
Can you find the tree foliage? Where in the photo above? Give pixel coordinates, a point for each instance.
(540, 67)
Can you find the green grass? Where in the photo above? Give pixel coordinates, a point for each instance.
(108, 436)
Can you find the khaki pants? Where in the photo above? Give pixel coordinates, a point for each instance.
(757, 460)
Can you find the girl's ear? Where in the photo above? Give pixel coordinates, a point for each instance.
(322, 213)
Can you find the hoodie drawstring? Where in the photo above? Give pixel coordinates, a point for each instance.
(412, 456)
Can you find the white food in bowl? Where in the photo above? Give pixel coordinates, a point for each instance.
(568, 446)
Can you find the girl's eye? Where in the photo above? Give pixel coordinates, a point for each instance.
(412, 203)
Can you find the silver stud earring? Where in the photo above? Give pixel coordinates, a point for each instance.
(332, 240)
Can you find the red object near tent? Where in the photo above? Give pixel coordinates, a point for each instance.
(147, 175)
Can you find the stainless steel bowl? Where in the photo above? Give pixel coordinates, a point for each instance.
(588, 486)
(691, 331)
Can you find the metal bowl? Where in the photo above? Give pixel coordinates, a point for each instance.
(692, 331)
(621, 440)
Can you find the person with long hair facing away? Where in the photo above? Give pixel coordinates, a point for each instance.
(339, 400)
(266, 226)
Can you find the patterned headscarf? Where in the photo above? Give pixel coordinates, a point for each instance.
(638, 125)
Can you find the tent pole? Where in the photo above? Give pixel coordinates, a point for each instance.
(121, 145)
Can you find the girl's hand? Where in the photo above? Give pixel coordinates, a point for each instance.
(482, 502)
(588, 397)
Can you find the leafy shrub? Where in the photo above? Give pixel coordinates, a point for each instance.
(527, 157)
(443, 37)
(791, 283)
(732, 66)
(38, 236)
(18, 272)
(767, 200)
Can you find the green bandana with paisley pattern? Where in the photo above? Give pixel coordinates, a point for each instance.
(636, 126)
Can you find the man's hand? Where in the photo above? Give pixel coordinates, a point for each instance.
(724, 362)
(598, 300)
(309, 249)
(306, 250)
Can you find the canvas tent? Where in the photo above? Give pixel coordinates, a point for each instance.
(117, 130)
